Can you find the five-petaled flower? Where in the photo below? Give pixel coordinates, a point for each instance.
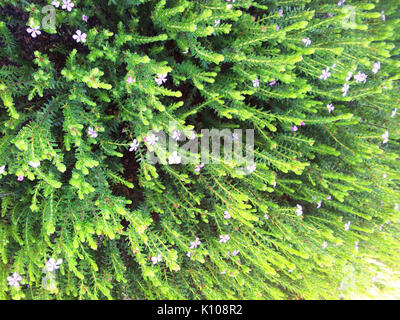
(251, 168)
(34, 164)
(194, 244)
(256, 83)
(161, 78)
(20, 178)
(130, 80)
(56, 3)
(216, 23)
(325, 74)
(151, 140)
(68, 5)
(14, 280)
(134, 145)
(306, 41)
(224, 239)
(330, 107)
(52, 264)
(34, 31)
(360, 77)
(156, 259)
(174, 158)
(294, 128)
(92, 133)
(84, 18)
(198, 167)
(385, 137)
(349, 75)
(79, 36)
(299, 210)
(227, 215)
(176, 135)
(376, 67)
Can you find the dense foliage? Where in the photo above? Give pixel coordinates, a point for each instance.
(84, 212)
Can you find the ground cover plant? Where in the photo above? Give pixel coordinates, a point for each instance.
(86, 86)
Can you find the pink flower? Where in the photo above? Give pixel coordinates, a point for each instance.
(383, 16)
(280, 12)
(302, 123)
(130, 80)
(20, 178)
(84, 18)
(92, 133)
(294, 128)
(256, 83)
(272, 83)
(198, 168)
(277, 28)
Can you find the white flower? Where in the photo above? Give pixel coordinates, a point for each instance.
(319, 204)
(394, 112)
(67, 4)
(306, 41)
(92, 133)
(251, 168)
(235, 136)
(356, 245)
(385, 137)
(151, 140)
(216, 23)
(325, 74)
(194, 244)
(299, 210)
(347, 226)
(345, 89)
(134, 145)
(34, 164)
(227, 215)
(176, 135)
(161, 78)
(384, 175)
(266, 217)
(324, 245)
(274, 184)
(56, 3)
(156, 259)
(360, 77)
(235, 252)
(34, 31)
(52, 264)
(224, 239)
(188, 254)
(396, 206)
(14, 280)
(376, 67)
(174, 158)
(79, 36)
(2, 169)
(330, 107)
(349, 75)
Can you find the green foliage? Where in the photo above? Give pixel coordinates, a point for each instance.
(70, 188)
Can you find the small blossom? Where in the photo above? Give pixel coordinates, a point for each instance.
(356, 245)
(394, 112)
(228, 6)
(266, 217)
(306, 41)
(79, 36)
(360, 77)
(188, 254)
(235, 252)
(330, 107)
(235, 136)
(56, 3)
(325, 74)
(294, 128)
(134, 145)
(2, 169)
(130, 80)
(34, 31)
(216, 23)
(198, 168)
(299, 210)
(52, 264)
(376, 67)
(227, 215)
(380, 227)
(174, 158)
(224, 239)
(68, 4)
(277, 28)
(280, 12)
(194, 244)
(349, 75)
(324, 245)
(345, 89)
(176, 135)
(92, 133)
(384, 175)
(251, 168)
(328, 198)
(256, 83)
(347, 226)
(330, 15)
(156, 259)
(151, 140)
(383, 16)
(385, 137)
(341, 2)
(396, 206)
(272, 83)
(20, 178)
(14, 280)
(34, 164)
(334, 65)
(302, 123)
(319, 204)
(161, 78)
(84, 18)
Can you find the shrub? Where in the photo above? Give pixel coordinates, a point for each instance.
(85, 213)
